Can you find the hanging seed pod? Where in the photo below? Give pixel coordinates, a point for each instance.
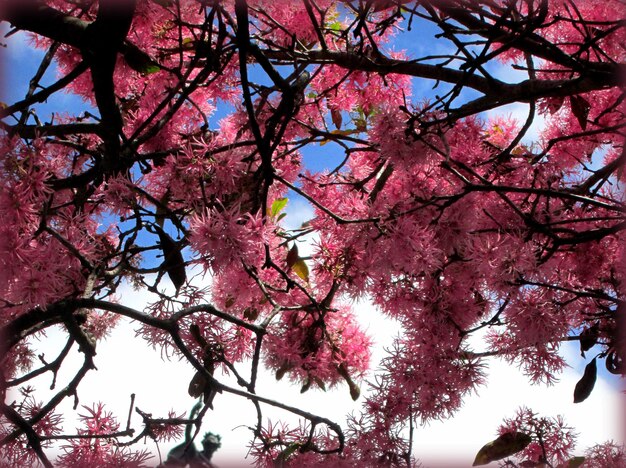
(586, 383)
(580, 109)
(292, 256)
(504, 446)
(614, 363)
(173, 262)
(588, 338)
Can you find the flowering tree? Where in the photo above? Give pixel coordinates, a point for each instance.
(441, 211)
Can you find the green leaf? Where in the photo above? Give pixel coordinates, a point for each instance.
(278, 205)
(360, 124)
(150, 69)
(575, 462)
(285, 454)
(504, 446)
(301, 269)
(141, 62)
(344, 132)
(336, 26)
(339, 132)
(188, 43)
(586, 383)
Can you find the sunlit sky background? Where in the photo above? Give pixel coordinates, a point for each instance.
(127, 365)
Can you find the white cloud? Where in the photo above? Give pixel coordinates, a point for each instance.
(126, 365)
(298, 211)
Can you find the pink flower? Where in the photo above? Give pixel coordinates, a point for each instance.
(313, 349)
(223, 236)
(88, 452)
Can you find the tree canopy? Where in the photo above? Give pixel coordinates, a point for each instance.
(481, 235)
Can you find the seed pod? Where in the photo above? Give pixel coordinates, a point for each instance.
(580, 109)
(173, 262)
(306, 386)
(614, 363)
(585, 384)
(504, 446)
(588, 338)
(292, 256)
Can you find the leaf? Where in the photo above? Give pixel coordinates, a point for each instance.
(504, 446)
(336, 26)
(586, 383)
(285, 454)
(531, 464)
(575, 462)
(173, 263)
(150, 69)
(553, 104)
(188, 43)
(251, 313)
(360, 124)
(141, 62)
(278, 205)
(164, 3)
(338, 132)
(292, 256)
(300, 269)
(336, 118)
(580, 109)
(343, 132)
